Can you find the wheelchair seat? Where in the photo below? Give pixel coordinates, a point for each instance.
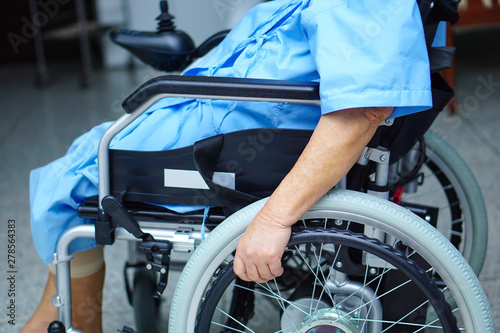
(245, 166)
(249, 161)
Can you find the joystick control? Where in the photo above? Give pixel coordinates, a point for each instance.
(166, 49)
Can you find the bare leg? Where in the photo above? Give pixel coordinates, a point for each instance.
(45, 313)
(86, 302)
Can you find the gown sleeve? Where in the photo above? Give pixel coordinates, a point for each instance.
(369, 53)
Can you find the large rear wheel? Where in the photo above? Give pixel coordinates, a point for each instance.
(353, 211)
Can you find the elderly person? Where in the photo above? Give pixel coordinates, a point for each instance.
(371, 59)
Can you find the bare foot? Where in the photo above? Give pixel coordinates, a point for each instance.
(86, 305)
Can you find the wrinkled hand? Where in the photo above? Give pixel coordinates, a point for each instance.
(259, 252)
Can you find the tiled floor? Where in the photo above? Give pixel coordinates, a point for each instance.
(38, 125)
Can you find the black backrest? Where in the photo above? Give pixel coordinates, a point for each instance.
(258, 158)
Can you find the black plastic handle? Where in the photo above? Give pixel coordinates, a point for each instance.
(222, 87)
(114, 207)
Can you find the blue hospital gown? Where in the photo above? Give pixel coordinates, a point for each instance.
(364, 52)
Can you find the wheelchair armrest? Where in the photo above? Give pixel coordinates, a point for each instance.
(302, 92)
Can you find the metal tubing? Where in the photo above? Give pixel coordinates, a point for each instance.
(382, 175)
(381, 156)
(62, 257)
(342, 184)
(158, 233)
(103, 152)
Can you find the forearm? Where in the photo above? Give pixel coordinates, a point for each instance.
(335, 146)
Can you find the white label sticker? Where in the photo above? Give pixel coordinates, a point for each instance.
(193, 179)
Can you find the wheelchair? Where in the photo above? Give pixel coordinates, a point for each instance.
(394, 247)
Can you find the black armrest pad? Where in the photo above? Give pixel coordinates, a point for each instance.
(222, 87)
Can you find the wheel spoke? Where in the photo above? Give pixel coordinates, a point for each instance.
(316, 277)
(235, 320)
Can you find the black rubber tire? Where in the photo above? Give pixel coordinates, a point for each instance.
(146, 308)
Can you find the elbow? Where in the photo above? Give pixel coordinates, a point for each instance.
(377, 115)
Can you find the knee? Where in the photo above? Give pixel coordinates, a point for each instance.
(85, 263)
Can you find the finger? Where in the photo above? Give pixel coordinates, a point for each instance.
(239, 269)
(265, 273)
(253, 273)
(276, 268)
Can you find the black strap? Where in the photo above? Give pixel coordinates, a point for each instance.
(441, 58)
(206, 154)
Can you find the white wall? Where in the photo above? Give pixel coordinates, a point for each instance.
(203, 18)
(199, 18)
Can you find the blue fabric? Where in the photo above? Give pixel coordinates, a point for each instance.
(440, 38)
(365, 52)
